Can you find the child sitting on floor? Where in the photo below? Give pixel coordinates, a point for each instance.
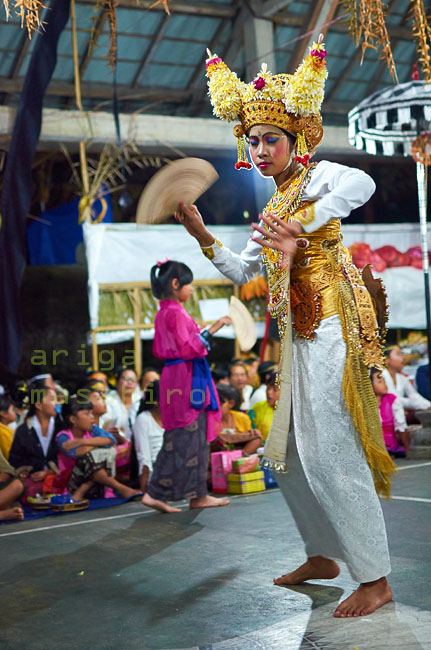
(11, 489)
(395, 432)
(262, 413)
(7, 422)
(87, 461)
(237, 431)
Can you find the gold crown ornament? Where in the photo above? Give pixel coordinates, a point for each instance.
(291, 102)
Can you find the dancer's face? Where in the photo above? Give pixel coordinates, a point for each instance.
(270, 149)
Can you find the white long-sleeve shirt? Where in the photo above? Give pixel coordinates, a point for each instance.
(400, 422)
(148, 436)
(408, 395)
(336, 190)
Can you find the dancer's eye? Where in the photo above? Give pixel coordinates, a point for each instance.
(272, 139)
(253, 142)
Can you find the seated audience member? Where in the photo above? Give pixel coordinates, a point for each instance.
(95, 390)
(423, 382)
(238, 378)
(237, 431)
(34, 441)
(220, 374)
(11, 489)
(86, 460)
(251, 365)
(149, 375)
(262, 413)
(265, 371)
(7, 417)
(399, 384)
(122, 403)
(148, 433)
(395, 432)
(98, 375)
(19, 400)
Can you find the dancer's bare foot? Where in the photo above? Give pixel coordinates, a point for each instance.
(161, 506)
(315, 568)
(208, 502)
(12, 513)
(368, 597)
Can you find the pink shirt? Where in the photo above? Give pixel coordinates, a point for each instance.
(177, 336)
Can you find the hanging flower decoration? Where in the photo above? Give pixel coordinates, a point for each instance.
(29, 12)
(422, 33)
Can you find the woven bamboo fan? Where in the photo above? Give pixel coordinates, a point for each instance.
(243, 324)
(183, 180)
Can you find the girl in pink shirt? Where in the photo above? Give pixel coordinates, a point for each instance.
(189, 404)
(395, 431)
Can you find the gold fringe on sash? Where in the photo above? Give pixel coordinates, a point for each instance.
(359, 397)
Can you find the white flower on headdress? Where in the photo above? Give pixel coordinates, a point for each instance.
(263, 87)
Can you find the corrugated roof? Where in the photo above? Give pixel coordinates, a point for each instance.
(160, 57)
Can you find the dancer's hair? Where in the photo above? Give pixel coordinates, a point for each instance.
(162, 275)
(228, 393)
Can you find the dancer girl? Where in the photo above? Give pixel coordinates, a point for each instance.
(189, 404)
(332, 457)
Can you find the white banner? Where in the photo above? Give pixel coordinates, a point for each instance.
(126, 253)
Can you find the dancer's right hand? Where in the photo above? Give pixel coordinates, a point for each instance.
(192, 221)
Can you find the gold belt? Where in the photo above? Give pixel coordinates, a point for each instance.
(314, 276)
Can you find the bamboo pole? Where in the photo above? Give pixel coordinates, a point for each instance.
(237, 349)
(84, 204)
(124, 286)
(95, 351)
(138, 343)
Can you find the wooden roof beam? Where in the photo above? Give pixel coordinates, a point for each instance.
(196, 8)
(157, 38)
(323, 11)
(267, 8)
(92, 90)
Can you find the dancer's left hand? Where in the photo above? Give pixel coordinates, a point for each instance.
(281, 237)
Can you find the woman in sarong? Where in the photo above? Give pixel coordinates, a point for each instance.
(332, 459)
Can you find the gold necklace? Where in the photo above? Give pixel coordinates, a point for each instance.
(283, 205)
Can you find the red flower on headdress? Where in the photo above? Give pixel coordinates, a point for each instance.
(259, 83)
(320, 53)
(213, 61)
(242, 164)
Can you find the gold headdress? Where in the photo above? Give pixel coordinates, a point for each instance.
(291, 102)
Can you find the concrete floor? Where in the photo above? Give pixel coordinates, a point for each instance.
(130, 579)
